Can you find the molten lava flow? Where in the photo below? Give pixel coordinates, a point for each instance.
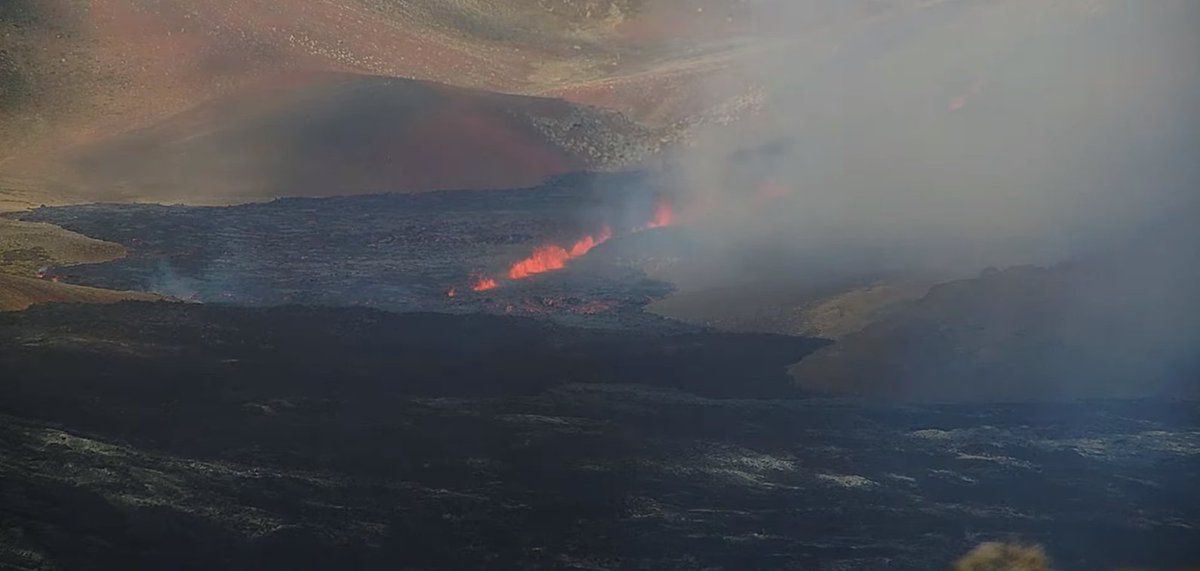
(554, 257)
(451, 292)
(664, 214)
(484, 284)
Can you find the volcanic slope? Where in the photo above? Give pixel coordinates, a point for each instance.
(1024, 333)
(330, 134)
(85, 68)
(74, 74)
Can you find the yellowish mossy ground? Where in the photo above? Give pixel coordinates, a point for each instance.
(17, 293)
(26, 247)
(995, 556)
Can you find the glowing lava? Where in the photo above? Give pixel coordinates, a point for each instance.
(664, 214)
(554, 257)
(451, 292)
(484, 284)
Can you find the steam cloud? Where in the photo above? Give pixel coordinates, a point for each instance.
(956, 136)
(941, 138)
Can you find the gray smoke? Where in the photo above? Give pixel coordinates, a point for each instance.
(942, 138)
(954, 136)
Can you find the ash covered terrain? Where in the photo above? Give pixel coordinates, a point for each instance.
(546, 422)
(191, 436)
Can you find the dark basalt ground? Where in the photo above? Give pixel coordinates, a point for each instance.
(168, 435)
(391, 251)
(216, 435)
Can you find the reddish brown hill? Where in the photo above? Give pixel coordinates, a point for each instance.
(72, 73)
(333, 134)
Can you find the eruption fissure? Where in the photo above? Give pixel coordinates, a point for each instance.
(554, 257)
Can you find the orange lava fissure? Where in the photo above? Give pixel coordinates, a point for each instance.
(554, 257)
